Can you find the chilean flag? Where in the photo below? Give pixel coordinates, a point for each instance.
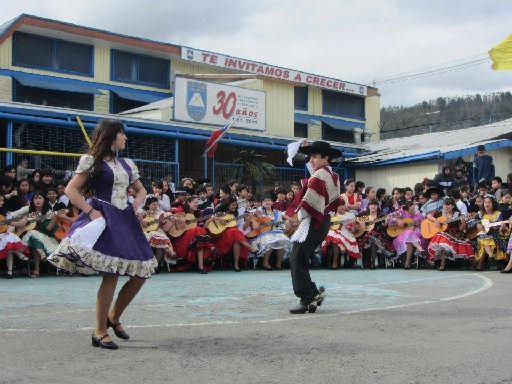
(213, 141)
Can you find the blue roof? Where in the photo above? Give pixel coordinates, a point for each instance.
(302, 119)
(138, 96)
(340, 125)
(56, 85)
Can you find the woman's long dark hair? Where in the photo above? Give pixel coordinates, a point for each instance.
(149, 200)
(104, 134)
(366, 212)
(45, 208)
(224, 204)
(494, 204)
(451, 201)
(187, 206)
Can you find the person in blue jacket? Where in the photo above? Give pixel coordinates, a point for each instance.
(483, 167)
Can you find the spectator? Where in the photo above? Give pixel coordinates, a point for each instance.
(46, 180)
(22, 171)
(497, 187)
(10, 194)
(10, 171)
(483, 167)
(459, 177)
(170, 183)
(445, 180)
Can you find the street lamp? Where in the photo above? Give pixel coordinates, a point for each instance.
(429, 122)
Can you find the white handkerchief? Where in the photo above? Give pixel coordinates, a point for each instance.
(292, 150)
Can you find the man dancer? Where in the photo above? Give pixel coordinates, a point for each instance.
(319, 196)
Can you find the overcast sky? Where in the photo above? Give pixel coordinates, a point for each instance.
(353, 40)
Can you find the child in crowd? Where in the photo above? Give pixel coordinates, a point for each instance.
(434, 203)
(281, 204)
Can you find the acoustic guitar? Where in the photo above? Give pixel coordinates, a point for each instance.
(295, 220)
(395, 230)
(429, 228)
(265, 225)
(367, 223)
(64, 226)
(216, 228)
(190, 222)
(487, 226)
(336, 223)
(32, 222)
(4, 223)
(153, 223)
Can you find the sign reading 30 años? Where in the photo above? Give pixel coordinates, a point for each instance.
(217, 104)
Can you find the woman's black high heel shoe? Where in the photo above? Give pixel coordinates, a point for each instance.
(202, 271)
(121, 334)
(98, 342)
(506, 271)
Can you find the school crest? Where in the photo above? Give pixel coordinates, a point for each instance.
(196, 96)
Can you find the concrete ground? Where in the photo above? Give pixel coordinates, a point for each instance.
(376, 326)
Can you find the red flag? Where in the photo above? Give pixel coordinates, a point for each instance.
(213, 141)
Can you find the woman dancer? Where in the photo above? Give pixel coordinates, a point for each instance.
(121, 248)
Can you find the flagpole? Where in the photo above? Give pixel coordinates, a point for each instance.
(220, 136)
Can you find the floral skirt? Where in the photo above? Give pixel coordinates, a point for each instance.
(119, 244)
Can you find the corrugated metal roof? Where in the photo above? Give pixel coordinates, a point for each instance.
(445, 145)
(157, 105)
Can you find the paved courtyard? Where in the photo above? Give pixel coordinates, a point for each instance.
(376, 326)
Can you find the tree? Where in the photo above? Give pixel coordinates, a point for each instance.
(253, 166)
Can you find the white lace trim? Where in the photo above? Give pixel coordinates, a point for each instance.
(302, 232)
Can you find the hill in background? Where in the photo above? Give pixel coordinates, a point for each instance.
(445, 114)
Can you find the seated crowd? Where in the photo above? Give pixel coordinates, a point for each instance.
(439, 222)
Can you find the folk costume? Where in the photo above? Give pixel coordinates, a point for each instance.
(313, 205)
(99, 245)
(453, 241)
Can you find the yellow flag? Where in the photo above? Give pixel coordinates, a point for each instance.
(501, 55)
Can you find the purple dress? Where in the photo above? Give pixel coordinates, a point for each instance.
(120, 246)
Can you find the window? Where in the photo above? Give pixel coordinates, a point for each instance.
(118, 104)
(52, 54)
(342, 104)
(300, 130)
(331, 134)
(54, 98)
(301, 98)
(133, 68)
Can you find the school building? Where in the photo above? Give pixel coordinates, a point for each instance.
(54, 75)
